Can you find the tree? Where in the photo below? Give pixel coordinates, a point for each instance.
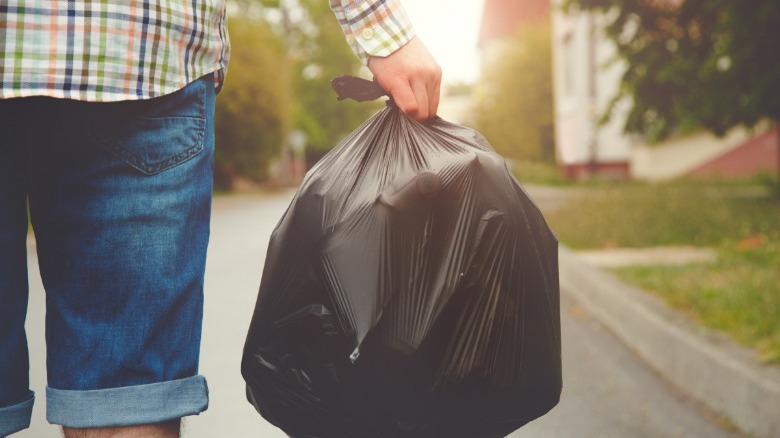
(516, 111)
(316, 50)
(254, 108)
(322, 55)
(695, 63)
(283, 56)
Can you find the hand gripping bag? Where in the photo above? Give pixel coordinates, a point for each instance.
(409, 290)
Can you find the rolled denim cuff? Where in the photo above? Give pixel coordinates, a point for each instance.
(16, 417)
(127, 406)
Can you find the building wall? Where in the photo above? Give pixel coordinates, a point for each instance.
(583, 87)
(682, 154)
(758, 154)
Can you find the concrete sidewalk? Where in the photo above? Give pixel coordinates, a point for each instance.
(724, 376)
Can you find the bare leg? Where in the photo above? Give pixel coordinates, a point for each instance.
(161, 430)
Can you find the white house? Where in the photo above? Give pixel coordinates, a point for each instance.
(584, 83)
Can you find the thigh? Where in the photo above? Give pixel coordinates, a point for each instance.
(120, 205)
(14, 141)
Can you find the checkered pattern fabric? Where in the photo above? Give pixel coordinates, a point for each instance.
(109, 50)
(373, 27)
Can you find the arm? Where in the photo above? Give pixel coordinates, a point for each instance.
(381, 35)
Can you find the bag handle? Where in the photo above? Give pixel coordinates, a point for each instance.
(357, 89)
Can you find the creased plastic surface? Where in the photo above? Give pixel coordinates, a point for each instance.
(410, 290)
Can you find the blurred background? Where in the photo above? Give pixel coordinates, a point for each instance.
(580, 89)
(647, 130)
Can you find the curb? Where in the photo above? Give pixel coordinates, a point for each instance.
(707, 366)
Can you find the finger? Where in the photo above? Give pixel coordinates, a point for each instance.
(434, 94)
(421, 95)
(404, 98)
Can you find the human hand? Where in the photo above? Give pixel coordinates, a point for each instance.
(412, 78)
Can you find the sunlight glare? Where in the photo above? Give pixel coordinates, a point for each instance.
(449, 29)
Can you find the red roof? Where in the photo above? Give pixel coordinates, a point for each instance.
(502, 18)
(760, 153)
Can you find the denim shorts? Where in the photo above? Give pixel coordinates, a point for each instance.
(119, 198)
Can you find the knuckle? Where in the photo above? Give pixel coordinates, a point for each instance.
(410, 108)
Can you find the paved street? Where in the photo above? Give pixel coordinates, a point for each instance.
(608, 392)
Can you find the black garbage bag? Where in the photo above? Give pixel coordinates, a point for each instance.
(410, 290)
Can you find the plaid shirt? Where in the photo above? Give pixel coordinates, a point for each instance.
(373, 27)
(110, 50)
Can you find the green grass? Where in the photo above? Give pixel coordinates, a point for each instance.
(534, 172)
(738, 294)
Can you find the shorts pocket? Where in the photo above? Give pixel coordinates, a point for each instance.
(153, 145)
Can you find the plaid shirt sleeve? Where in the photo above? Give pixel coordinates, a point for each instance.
(373, 27)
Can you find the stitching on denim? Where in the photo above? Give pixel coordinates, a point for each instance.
(152, 169)
(114, 146)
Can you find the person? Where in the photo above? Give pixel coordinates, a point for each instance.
(107, 112)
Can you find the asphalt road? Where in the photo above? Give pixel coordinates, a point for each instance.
(608, 391)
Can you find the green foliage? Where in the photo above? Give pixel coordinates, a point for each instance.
(254, 107)
(695, 63)
(677, 213)
(739, 293)
(322, 55)
(283, 56)
(516, 112)
(772, 182)
(537, 172)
